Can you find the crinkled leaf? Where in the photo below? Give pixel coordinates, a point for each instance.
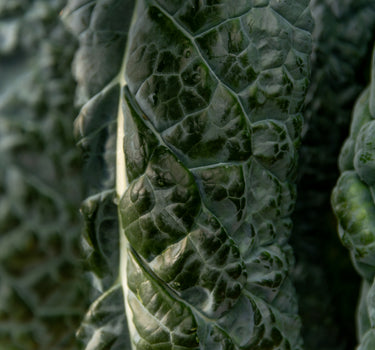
(207, 102)
(101, 27)
(101, 239)
(104, 321)
(213, 100)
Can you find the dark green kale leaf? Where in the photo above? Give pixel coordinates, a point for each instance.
(211, 103)
(101, 28)
(202, 113)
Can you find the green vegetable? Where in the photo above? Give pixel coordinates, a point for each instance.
(353, 203)
(42, 293)
(343, 35)
(101, 27)
(190, 125)
(207, 101)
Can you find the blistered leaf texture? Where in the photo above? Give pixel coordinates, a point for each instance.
(353, 203)
(212, 100)
(104, 322)
(101, 28)
(207, 103)
(42, 293)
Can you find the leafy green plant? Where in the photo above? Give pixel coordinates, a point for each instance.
(342, 43)
(207, 103)
(353, 203)
(190, 125)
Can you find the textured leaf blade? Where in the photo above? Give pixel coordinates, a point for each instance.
(102, 28)
(101, 242)
(159, 319)
(166, 224)
(104, 322)
(215, 110)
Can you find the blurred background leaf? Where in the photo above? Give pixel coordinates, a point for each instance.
(42, 292)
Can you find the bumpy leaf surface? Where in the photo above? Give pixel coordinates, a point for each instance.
(42, 294)
(207, 100)
(101, 28)
(353, 203)
(212, 120)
